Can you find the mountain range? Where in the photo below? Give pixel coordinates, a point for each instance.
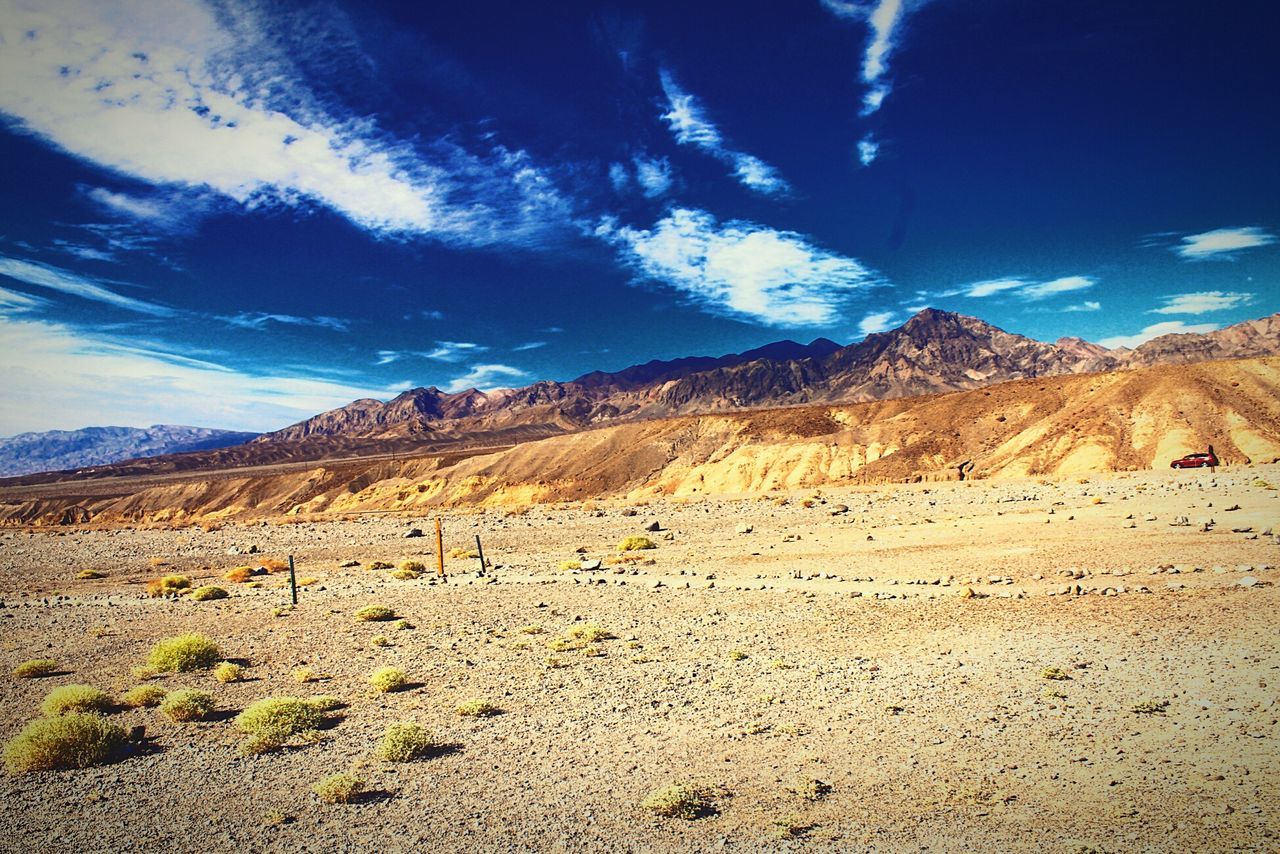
(935, 351)
(93, 446)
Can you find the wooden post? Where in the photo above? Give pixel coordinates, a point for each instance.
(480, 552)
(293, 581)
(439, 549)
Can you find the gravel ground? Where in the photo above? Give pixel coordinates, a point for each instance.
(889, 642)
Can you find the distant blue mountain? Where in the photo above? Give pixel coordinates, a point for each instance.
(57, 450)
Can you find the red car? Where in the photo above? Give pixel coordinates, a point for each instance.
(1195, 461)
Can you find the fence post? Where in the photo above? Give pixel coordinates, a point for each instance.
(439, 550)
(480, 552)
(293, 581)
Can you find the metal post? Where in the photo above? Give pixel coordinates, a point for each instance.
(480, 552)
(439, 549)
(293, 581)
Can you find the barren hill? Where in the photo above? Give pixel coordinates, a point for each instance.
(1044, 426)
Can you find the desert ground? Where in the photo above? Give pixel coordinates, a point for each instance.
(891, 642)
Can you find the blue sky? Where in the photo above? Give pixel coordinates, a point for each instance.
(238, 214)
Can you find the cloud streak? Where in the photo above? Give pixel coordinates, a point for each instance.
(1155, 330)
(884, 21)
(741, 269)
(487, 378)
(1222, 243)
(191, 98)
(689, 124)
(1202, 302)
(1024, 289)
(64, 281)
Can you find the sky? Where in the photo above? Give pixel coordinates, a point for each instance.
(239, 214)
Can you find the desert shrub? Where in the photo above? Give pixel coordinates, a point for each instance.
(226, 671)
(169, 585)
(380, 564)
(405, 742)
(415, 566)
(589, 633)
(274, 564)
(402, 625)
(387, 679)
(239, 575)
(810, 789)
(463, 553)
(632, 544)
(403, 574)
(183, 653)
(303, 675)
(677, 800)
(1054, 673)
(87, 574)
(187, 704)
(1150, 707)
(75, 740)
(35, 668)
(307, 581)
(325, 703)
(570, 565)
(477, 709)
(271, 722)
(737, 655)
(532, 629)
(143, 696)
(208, 593)
(75, 698)
(380, 641)
(339, 788)
(375, 614)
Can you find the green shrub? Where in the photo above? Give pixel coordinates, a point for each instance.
(589, 633)
(143, 696)
(380, 564)
(1056, 674)
(570, 565)
(402, 625)
(271, 722)
(339, 788)
(303, 675)
(88, 574)
(75, 698)
(227, 671)
(477, 709)
(405, 742)
(380, 641)
(631, 544)
(208, 593)
(75, 740)
(375, 614)
(387, 679)
(187, 704)
(678, 800)
(403, 574)
(169, 585)
(35, 668)
(414, 566)
(325, 703)
(183, 653)
(737, 655)
(1150, 707)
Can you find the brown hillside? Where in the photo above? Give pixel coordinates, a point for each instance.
(1036, 427)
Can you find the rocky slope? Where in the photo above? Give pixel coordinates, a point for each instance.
(92, 446)
(934, 351)
(1051, 426)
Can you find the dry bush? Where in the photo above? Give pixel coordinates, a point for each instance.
(239, 575)
(35, 668)
(169, 585)
(187, 704)
(270, 723)
(339, 788)
(183, 653)
(375, 614)
(89, 574)
(388, 679)
(227, 671)
(75, 740)
(143, 696)
(477, 709)
(637, 543)
(677, 800)
(75, 698)
(405, 742)
(274, 564)
(208, 593)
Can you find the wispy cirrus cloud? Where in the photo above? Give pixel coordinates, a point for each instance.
(530, 345)
(260, 320)
(884, 19)
(1222, 243)
(690, 125)
(58, 376)
(653, 175)
(1023, 288)
(741, 269)
(206, 99)
(1155, 330)
(442, 351)
(1202, 302)
(878, 321)
(76, 285)
(1087, 305)
(487, 378)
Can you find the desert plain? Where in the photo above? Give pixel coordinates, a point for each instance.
(860, 668)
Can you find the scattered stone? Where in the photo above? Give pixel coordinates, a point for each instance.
(653, 526)
(412, 532)
(1248, 581)
(347, 564)
(744, 528)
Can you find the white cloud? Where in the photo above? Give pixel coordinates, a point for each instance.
(64, 281)
(884, 18)
(1167, 327)
(619, 177)
(532, 345)
(690, 126)
(741, 269)
(136, 207)
(1023, 288)
(58, 377)
(1202, 302)
(1087, 305)
(1066, 284)
(185, 96)
(453, 351)
(487, 378)
(877, 322)
(1222, 243)
(992, 286)
(259, 320)
(868, 150)
(653, 176)
(12, 302)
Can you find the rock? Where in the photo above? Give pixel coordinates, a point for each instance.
(967, 593)
(744, 528)
(234, 550)
(591, 564)
(347, 564)
(1248, 581)
(653, 526)
(839, 509)
(412, 532)
(629, 511)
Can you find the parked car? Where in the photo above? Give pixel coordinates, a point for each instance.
(1195, 461)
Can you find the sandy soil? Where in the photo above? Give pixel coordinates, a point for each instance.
(893, 650)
